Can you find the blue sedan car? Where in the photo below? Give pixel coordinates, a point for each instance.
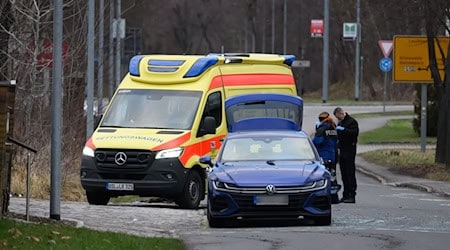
(272, 173)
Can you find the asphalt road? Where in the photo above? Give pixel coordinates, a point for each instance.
(384, 217)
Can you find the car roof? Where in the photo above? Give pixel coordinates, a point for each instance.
(267, 133)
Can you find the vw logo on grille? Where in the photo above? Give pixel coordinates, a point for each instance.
(120, 158)
(270, 189)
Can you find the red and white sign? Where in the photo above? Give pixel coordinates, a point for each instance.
(45, 54)
(386, 47)
(316, 27)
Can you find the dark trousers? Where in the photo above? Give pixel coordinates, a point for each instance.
(347, 167)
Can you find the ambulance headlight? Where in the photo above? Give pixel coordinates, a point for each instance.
(87, 151)
(169, 153)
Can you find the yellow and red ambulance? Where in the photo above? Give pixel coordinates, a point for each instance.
(167, 112)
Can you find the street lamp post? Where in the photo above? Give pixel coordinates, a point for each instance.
(357, 49)
(325, 51)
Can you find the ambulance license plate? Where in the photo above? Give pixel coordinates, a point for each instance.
(120, 186)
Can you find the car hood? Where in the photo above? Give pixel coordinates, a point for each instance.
(249, 173)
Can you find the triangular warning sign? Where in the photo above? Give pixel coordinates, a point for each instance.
(386, 47)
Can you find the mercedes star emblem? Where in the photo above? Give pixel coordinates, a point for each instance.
(120, 158)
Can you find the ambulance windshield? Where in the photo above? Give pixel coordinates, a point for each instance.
(143, 108)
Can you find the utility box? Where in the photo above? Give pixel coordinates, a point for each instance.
(7, 96)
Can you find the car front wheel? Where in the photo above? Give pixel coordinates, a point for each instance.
(192, 193)
(97, 198)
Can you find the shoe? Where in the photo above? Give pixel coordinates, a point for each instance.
(349, 200)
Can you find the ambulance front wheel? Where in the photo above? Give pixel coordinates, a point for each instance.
(192, 193)
(97, 198)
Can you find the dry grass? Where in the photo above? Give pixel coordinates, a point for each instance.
(71, 188)
(410, 162)
(337, 91)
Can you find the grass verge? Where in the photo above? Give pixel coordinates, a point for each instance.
(395, 131)
(410, 162)
(20, 235)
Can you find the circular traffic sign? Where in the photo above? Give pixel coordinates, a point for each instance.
(385, 64)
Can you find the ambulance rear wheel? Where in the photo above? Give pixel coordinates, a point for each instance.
(97, 198)
(192, 193)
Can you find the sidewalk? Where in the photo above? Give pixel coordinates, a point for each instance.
(386, 177)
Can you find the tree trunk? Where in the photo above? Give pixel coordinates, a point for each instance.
(447, 96)
(431, 24)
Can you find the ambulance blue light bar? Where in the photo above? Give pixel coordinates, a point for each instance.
(200, 66)
(133, 67)
(288, 59)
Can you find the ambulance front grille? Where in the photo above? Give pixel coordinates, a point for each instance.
(124, 159)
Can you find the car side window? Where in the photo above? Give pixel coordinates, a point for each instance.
(214, 107)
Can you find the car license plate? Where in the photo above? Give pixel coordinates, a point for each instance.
(120, 186)
(271, 200)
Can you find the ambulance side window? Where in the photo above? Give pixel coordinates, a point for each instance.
(213, 108)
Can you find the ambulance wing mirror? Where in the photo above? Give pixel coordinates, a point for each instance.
(208, 126)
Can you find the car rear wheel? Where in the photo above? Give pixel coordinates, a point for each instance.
(97, 198)
(192, 193)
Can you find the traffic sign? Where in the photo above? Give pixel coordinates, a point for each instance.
(411, 59)
(350, 30)
(301, 64)
(386, 47)
(316, 27)
(385, 64)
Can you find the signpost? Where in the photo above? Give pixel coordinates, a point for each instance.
(385, 65)
(350, 31)
(301, 64)
(411, 61)
(386, 47)
(412, 64)
(316, 28)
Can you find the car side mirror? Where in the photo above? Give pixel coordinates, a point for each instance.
(208, 126)
(206, 160)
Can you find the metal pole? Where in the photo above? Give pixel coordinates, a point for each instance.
(118, 42)
(101, 8)
(384, 92)
(90, 70)
(357, 49)
(27, 204)
(246, 35)
(423, 119)
(263, 40)
(273, 26)
(284, 26)
(325, 51)
(55, 185)
(111, 79)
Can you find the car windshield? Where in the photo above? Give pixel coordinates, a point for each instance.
(271, 148)
(139, 108)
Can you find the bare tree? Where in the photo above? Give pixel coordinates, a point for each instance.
(29, 59)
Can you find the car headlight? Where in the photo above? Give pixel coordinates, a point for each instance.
(321, 183)
(87, 151)
(317, 184)
(169, 153)
(219, 185)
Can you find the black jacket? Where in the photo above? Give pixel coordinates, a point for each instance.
(348, 137)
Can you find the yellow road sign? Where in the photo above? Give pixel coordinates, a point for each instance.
(411, 60)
